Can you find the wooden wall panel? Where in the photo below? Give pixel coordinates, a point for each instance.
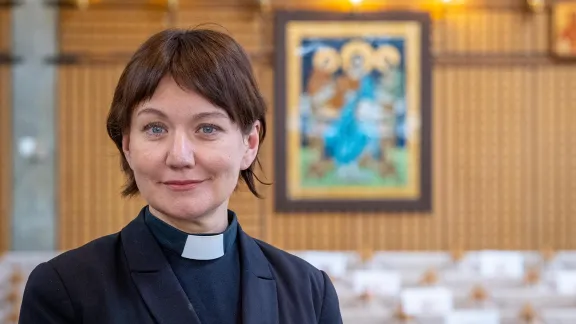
(107, 31)
(503, 146)
(554, 160)
(90, 180)
(242, 24)
(5, 134)
(490, 32)
(5, 22)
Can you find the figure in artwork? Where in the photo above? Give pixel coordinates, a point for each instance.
(568, 34)
(353, 126)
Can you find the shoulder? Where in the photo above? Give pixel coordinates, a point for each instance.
(53, 284)
(293, 268)
(45, 298)
(82, 264)
(299, 279)
(279, 257)
(93, 254)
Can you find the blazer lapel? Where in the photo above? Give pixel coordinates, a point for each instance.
(259, 296)
(154, 277)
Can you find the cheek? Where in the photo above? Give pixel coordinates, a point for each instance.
(219, 162)
(145, 156)
(222, 162)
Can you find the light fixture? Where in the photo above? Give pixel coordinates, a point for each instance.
(172, 4)
(355, 6)
(265, 6)
(536, 6)
(31, 149)
(83, 4)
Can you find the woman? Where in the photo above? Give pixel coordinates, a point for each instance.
(188, 120)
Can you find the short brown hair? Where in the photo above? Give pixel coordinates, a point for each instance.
(206, 61)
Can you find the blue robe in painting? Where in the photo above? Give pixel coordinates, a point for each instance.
(345, 140)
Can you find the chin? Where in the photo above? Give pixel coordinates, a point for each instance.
(184, 208)
(189, 211)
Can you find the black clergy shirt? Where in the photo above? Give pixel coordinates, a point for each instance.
(207, 267)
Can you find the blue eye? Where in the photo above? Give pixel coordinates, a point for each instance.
(208, 129)
(154, 129)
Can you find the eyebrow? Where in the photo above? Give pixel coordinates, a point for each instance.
(212, 114)
(151, 111)
(202, 115)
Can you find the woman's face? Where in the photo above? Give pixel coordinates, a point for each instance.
(186, 153)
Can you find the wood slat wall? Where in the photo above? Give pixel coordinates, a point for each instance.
(89, 177)
(89, 174)
(5, 134)
(503, 148)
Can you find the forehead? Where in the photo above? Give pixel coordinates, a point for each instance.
(171, 99)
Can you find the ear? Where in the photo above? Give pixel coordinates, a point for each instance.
(126, 147)
(252, 141)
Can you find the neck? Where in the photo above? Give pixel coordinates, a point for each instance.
(215, 221)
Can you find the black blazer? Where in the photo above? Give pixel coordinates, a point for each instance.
(124, 278)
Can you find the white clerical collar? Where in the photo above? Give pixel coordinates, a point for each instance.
(193, 246)
(207, 247)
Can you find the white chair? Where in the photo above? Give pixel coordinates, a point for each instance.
(334, 263)
(419, 261)
(539, 298)
(559, 315)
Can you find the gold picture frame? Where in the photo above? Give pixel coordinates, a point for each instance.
(353, 112)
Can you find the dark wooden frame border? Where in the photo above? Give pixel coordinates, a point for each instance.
(281, 201)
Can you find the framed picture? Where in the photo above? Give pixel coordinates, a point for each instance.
(352, 112)
(564, 30)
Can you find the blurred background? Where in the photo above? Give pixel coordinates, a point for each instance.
(495, 246)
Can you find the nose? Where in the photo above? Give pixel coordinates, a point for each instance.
(181, 152)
